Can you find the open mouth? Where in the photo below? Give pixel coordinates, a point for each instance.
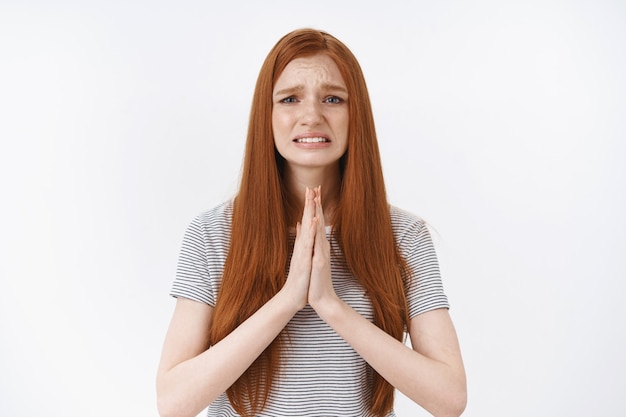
(311, 140)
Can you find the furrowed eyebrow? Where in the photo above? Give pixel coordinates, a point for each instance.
(288, 91)
(335, 87)
(327, 87)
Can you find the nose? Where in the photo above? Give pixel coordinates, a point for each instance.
(312, 113)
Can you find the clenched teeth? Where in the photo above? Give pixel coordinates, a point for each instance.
(311, 140)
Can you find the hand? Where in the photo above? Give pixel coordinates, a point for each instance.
(321, 284)
(301, 260)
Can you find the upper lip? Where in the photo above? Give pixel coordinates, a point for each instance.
(312, 135)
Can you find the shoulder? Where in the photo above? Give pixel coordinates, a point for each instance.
(401, 216)
(212, 226)
(405, 223)
(217, 217)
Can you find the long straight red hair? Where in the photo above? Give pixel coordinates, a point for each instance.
(256, 266)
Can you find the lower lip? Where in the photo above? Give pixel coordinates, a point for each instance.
(312, 145)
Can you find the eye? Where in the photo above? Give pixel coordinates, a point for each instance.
(287, 100)
(333, 100)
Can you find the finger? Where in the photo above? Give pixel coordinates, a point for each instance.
(308, 195)
(318, 192)
(319, 211)
(320, 235)
(306, 229)
(309, 209)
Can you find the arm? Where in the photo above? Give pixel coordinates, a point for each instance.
(431, 374)
(191, 374)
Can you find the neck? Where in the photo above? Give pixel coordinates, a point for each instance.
(296, 181)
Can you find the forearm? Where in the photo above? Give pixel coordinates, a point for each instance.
(437, 386)
(190, 386)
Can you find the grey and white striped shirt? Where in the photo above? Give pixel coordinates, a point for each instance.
(321, 374)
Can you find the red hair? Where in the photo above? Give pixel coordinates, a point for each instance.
(256, 266)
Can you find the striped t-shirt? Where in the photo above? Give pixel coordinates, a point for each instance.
(321, 375)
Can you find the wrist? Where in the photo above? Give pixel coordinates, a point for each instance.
(290, 298)
(328, 307)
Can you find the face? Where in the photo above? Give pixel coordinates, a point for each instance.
(310, 113)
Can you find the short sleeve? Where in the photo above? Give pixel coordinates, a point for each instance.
(202, 256)
(424, 287)
(193, 280)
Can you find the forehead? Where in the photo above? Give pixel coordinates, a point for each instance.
(310, 70)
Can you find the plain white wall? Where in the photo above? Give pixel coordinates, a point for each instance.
(501, 123)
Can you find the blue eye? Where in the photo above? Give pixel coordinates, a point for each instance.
(333, 100)
(288, 100)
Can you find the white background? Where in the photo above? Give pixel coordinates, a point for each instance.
(501, 123)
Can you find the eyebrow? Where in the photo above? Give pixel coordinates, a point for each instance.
(298, 88)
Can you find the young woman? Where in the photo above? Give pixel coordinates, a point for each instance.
(293, 298)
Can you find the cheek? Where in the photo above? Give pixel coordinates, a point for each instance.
(280, 123)
(345, 126)
(346, 132)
